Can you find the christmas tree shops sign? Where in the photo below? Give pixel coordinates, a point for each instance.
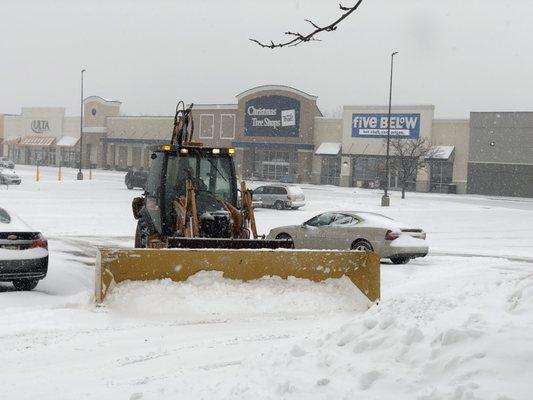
(276, 116)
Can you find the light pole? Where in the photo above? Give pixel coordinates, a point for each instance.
(385, 200)
(80, 174)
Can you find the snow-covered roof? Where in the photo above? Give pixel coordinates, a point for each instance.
(328, 148)
(15, 140)
(440, 152)
(67, 141)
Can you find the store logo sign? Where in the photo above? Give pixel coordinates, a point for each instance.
(288, 118)
(276, 116)
(402, 126)
(40, 126)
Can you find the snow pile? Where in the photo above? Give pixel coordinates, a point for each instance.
(471, 340)
(207, 296)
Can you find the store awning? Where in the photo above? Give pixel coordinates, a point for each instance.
(42, 141)
(67, 141)
(328, 149)
(12, 141)
(440, 152)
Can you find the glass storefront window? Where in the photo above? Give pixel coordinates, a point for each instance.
(369, 172)
(330, 171)
(275, 165)
(441, 175)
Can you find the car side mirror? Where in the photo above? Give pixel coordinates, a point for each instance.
(304, 225)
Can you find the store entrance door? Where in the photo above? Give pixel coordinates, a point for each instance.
(275, 170)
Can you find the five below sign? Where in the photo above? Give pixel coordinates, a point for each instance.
(376, 125)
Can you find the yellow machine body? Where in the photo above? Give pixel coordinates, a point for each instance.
(115, 265)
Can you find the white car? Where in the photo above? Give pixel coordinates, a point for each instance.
(6, 162)
(9, 177)
(354, 230)
(279, 196)
(23, 253)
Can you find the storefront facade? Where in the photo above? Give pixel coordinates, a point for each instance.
(275, 133)
(40, 135)
(354, 148)
(280, 135)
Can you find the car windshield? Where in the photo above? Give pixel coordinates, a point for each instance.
(321, 220)
(4, 217)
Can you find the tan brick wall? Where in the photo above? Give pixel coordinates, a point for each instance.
(454, 132)
(326, 130)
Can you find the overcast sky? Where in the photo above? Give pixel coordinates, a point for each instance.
(460, 55)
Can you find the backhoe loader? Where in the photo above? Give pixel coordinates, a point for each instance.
(195, 216)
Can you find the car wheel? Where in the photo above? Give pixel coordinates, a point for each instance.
(25, 284)
(285, 236)
(129, 185)
(400, 260)
(279, 205)
(362, 245)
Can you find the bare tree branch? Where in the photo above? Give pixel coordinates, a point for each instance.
(299, 38)
(409, 156)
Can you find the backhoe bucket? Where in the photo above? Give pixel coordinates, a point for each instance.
(115, 265)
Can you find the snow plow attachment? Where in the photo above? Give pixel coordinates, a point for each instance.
(115, 265)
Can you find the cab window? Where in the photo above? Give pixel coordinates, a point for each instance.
(154, 178)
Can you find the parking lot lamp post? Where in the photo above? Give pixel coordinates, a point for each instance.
(80, 174)
(385, 200)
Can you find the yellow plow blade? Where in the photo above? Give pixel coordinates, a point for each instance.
(114, 265)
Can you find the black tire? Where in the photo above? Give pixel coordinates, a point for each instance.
(129, 185)
(279, 205)
(141, 234)
(25, 284)
(362, 245)
(400, 260)
(285, 236)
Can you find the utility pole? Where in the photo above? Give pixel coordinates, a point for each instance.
(80, 174)
(385, 200)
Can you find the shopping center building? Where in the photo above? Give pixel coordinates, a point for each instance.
(278, 131)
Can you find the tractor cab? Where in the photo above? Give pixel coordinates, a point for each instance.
(212, 173)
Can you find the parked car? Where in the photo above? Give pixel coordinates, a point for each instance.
(9, 177)
(136, 179)
(23, 252)
(6, 162)
(354, 230)
(279, 196)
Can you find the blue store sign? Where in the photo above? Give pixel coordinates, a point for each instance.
(276, 116)
(404, 126)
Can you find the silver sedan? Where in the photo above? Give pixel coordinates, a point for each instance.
(352, 230)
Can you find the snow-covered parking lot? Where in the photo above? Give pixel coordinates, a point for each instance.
(457, 324)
